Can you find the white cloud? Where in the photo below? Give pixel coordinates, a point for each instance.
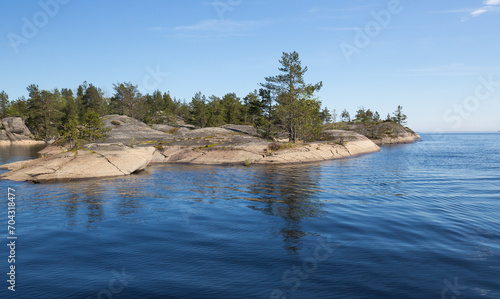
(209, 28)
(343, 28)
(451, 11)
(489, 5)
(478, 12)
(492, 2)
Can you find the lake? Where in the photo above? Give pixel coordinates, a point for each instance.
(411, 221)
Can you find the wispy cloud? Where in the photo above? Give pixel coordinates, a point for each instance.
(452, 11)
(209, 28)
(342, 28)
(316, 9)
(489, 5)
(449, 70)
(478, 12)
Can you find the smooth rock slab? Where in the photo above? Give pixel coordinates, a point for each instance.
(107, 161)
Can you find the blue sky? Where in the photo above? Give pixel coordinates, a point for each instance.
(438, 59)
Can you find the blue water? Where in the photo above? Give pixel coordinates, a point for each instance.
(411, 221)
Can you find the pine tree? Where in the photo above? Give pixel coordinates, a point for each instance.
(216, 112)
(399, 116)
(326, 116)
(92, 127)
(44, 112)
(292, 93)
(345, 116)
(129, 101)
(4, 104)
(232, 107)
(198, 110)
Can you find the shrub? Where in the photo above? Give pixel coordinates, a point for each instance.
(273, 147)
(173, 131)
(159, 145)
(247, 162)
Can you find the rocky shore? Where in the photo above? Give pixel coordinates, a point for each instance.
(132, 145)
(382, 133)
(13, 131)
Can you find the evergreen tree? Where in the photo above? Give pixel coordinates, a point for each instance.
(388, 118)
(345, 116)
(44, 113)
(363, 116)
(70, 133)
(264, 121)
(399, 116)
(93, 98)
(291, 94)
(4, 104)
(19, 108)
(216, 112)
(326, 116)
(232, 107)
(92, 127)
(198, 110)
(254, 107)
(70, 107)
(129, 101)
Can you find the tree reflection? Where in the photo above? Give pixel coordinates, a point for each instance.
(289, 192)
(91, 195)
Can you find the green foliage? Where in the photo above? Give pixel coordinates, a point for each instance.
(199, 110)
(173, 131)
(93, 98)
(399, 116)
(127, 100)
(326, 116)
(345, 116)
(44, 112)
(216, 112)
(265, 121)
(363, 115)
(71, 134)
(247, 162)
(285, 103)
(18, 108)
(274, 146)
(159, 145)
(298, 112)
(92, 127)
(232, 108)
(4, 104)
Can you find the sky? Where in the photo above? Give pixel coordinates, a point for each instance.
(437, 59)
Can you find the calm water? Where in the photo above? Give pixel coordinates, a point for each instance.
(412, 221)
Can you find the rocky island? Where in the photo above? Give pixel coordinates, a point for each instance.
(281, 123)
(131, 146)
(13, 131)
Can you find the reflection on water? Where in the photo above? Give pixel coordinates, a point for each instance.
(289, 193)
(13, 153)
(406, 217)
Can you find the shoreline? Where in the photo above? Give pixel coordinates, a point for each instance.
(132, 146)
(119, 160)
